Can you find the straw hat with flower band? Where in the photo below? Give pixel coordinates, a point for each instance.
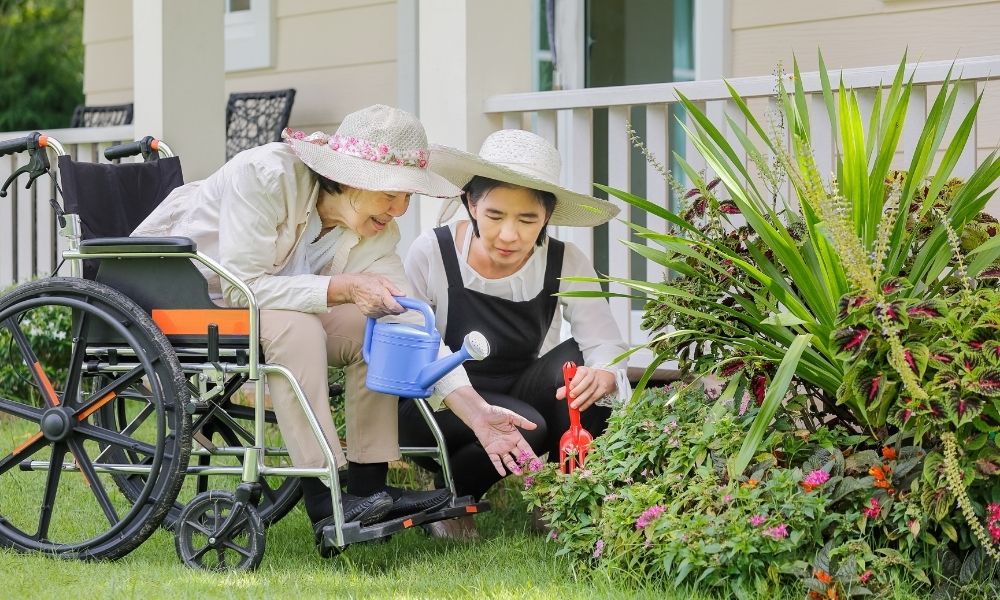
(522, 158)
(378, 148)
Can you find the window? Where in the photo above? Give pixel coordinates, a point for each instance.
(248, 31)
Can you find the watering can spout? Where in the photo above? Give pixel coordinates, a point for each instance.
(474, 347)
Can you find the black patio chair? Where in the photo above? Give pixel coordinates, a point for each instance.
(102, 116)
(256, 118)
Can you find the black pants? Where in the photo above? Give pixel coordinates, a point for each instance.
(532, 395)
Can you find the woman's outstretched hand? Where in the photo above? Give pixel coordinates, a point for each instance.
(495, 427)
(589, 386)
(373, 294)
(496, 430)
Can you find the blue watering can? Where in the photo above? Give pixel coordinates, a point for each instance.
(403, 358)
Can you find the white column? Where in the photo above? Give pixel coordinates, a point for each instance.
(179, 76)
(469, 50)
(712, 39)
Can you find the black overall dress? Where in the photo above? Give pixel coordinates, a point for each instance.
(513, 376)
(515, 330)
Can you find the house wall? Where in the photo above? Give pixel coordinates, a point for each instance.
(860, 33)
(339, 55)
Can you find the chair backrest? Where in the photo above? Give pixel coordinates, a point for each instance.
(102, 116)
(111, 200)
(256, 118)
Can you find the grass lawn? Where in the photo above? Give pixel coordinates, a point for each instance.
(509, 561)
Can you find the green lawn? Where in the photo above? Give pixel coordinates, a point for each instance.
(509, 561)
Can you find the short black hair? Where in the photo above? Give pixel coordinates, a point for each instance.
(480, 186)
(329, 185)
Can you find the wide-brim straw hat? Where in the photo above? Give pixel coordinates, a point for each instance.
(522, 158)
(378, 148)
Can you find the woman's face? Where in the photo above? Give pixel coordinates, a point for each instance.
(368, 212)
(509, 219)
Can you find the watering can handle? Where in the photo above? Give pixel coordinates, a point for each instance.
(409, 303)
(414, 304)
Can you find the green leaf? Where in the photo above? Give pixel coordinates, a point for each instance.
(772, 401)
(784, 319)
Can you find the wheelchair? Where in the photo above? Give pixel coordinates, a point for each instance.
(127, 426)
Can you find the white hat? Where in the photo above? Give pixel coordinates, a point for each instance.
(522, 158)
(378, 148)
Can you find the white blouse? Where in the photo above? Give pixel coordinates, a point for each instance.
(590, 321)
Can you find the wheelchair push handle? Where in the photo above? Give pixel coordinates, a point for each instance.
(150, 148)
(38, 164)
(16, 145)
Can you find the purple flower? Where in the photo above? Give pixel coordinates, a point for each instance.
(553, 535)
(757, 520)
(649, 515)
(535, 465)
(777, 532)
(598, 548)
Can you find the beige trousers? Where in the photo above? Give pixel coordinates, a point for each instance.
(306, 344)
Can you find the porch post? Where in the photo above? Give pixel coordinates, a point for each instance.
(469, 50)
(178, 77)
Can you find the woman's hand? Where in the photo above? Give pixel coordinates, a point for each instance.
(588, 386)
(494, 427)
(373, 294)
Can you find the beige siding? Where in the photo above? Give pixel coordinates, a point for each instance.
(339, 55)
(862, 37)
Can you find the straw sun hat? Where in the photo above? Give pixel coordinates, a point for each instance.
(522, 158)
(378, 148)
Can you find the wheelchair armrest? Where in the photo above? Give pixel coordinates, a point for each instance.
(128, 245)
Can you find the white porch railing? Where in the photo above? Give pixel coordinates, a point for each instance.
(566, 118)
(29, 245)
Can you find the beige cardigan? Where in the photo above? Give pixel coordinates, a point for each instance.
(250, 215)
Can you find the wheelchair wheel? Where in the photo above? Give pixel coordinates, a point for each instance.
(216, 533)
(279, 495)
(57, 462)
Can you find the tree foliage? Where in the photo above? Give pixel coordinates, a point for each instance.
(41, 42)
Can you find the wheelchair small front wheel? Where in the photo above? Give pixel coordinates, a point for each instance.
(215, 532)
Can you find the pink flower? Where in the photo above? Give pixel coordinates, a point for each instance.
(777, 532)
(727, 499)
(647, 544)
(873, 509)
(757, 520)
(528, 482)
(422, 163)
(535, 465)
(993, 521)
(865, 576)
(553, 535)
(649, 515)
(523, 458)
(598, 548)
(815, 479)
(383, 149)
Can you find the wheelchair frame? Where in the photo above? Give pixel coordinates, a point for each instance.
(210, 377)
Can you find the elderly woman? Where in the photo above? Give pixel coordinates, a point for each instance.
(309, 226)
(498, 273)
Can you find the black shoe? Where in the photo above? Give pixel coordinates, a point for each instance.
(367, 510)
(411, 502)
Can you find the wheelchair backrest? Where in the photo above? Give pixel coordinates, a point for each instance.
(113, 199)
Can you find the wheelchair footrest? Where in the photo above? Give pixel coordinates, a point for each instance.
(354, 532)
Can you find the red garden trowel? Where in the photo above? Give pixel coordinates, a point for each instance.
(574, 444)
